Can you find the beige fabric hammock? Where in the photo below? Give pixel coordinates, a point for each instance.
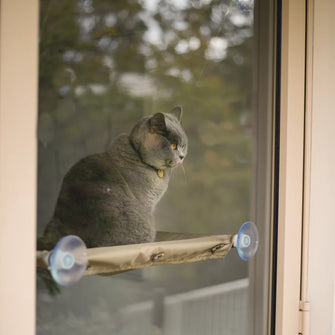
(169, 248)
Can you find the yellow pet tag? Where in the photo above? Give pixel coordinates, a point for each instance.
(160, 173)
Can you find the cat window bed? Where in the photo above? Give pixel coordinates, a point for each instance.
(70, 259)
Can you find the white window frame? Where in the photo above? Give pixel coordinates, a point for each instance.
(18, 168)
(291, 164)
(18, 157)
(306, 271)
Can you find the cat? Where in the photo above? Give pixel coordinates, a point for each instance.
(109, 198)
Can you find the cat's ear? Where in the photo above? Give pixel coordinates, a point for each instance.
(157, 123)
(177, 112)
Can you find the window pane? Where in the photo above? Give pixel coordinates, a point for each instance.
(103, 66)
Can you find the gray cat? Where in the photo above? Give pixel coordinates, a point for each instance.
(109, 198)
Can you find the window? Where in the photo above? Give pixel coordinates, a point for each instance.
(103, 65)
(18, 111)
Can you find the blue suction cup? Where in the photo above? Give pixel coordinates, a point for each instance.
(246, 241)
(68, 260)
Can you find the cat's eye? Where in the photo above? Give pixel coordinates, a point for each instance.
(173, 146)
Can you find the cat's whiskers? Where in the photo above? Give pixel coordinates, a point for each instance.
(182, 167)
(172, 175)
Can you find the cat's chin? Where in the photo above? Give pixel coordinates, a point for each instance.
(173, 165)
(164, 166)
(167, 164)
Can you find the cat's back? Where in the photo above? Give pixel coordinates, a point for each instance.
(91, 168)
(102, 166)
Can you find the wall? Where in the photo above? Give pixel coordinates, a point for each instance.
(321, 265)
(18, 106)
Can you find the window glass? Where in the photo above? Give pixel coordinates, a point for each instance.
(103, 66)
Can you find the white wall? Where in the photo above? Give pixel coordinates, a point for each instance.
(321, 264)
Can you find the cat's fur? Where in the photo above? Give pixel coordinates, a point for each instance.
(109, 198)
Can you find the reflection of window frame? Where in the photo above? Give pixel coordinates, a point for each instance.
(262, 203)
(18, 111)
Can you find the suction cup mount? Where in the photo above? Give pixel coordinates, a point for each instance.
(246, 241)
(68, 260)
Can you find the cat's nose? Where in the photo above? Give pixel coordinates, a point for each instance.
(181, 157)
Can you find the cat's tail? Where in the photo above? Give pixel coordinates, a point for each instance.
(45, 280)
(47, 242)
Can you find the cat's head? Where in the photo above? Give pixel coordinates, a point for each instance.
(160, 139)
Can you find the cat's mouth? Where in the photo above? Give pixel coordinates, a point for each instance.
(173, 163)
(167, 164)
